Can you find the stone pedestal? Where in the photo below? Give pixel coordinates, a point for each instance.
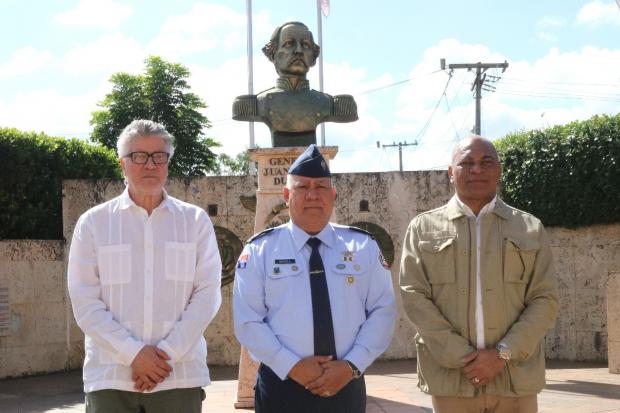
(271, 211)
(613, 322)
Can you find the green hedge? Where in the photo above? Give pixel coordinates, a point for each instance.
(566, 175)
(33, 167)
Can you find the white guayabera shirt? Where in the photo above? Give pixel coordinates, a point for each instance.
(136, 280)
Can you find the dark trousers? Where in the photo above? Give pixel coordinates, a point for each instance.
(273, 395)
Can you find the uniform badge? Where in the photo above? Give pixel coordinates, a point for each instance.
(243, 261)
(347, 256)
(341, 266)
(357, 267)
(350, 279)
(276, 270)
(285, 261)
(294, 267)
(383, 262)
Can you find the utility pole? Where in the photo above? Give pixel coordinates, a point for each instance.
(400, 150)
(479, 82)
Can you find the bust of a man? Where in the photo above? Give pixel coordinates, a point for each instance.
(292, 110)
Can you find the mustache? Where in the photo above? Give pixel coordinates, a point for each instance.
(296, 59)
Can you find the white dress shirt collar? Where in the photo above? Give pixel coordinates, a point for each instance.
(126, 202)
(485, 209)
(300, 237)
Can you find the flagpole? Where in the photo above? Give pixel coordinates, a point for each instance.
(248, 4)
(319, 19)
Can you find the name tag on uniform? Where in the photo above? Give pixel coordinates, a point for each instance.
(285, 261)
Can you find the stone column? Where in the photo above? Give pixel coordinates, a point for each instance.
(613, 322)
(271, 211)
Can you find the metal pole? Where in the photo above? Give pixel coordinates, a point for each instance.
(400, 156)
(319, 20)
(248, 4)
(478, 100)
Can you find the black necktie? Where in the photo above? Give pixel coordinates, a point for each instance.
(324, 342)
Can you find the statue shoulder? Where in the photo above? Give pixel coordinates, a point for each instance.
(245, 107)
(344, 109)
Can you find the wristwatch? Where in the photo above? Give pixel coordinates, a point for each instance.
(504, 351)
(354, 370)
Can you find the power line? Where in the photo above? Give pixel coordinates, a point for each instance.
(400, 82)
(428, 121)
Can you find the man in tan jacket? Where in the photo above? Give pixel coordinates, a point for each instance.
(477, 281)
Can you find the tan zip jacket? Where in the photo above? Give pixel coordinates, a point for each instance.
(519, 296)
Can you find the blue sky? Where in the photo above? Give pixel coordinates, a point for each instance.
(56, 58)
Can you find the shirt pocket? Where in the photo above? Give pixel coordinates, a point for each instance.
(438, 259)
(114, 264)
(180, 261)
(519, 258)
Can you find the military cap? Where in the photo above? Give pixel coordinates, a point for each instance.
(310, 164)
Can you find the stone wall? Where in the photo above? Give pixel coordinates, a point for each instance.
(584, 259)
(42, 322)
(35, 338)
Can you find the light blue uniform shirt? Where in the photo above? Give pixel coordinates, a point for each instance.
(272, 301)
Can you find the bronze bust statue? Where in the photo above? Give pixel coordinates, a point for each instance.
(292, 110)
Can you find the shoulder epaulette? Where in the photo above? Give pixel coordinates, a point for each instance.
(363, 231)
(258, 235)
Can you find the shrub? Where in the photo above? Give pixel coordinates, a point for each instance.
(566, 175)
(33, 167)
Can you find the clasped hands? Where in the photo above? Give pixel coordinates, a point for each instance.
(321, 375)
(149, 368)
(482, 366)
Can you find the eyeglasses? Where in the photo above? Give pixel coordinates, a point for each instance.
(141, 158)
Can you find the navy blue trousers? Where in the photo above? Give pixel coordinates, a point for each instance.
(273, 395)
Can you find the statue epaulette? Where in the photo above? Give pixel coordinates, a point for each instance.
(245, 107)
(363, 231)
(258, 235)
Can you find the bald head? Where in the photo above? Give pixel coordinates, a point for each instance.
(477, 140)
(475, 171)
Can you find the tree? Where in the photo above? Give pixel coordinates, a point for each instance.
(162, 95)
(239, 165)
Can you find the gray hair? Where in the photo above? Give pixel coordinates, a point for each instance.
(141, 128)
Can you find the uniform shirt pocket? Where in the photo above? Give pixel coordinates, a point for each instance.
(180, 259)
(438, 259)
(114, 264)
(519, 258)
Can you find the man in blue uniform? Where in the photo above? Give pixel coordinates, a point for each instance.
(313, 302)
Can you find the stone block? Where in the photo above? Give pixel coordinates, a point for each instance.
(566, 313)
(223, 351)
(560, 344)
(51, 323)
(564, 266)
(592, 265)
(222, 324)
(23, 326)
(590, 345)
(18, 277)
(613, 307)
(614, 357)
(48, 281)
(590, 309)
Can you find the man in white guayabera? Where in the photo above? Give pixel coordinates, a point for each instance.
(144, 281)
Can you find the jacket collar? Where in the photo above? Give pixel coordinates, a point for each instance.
(455, 210)
(284, 84)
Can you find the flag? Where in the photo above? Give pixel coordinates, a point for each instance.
(325, 6)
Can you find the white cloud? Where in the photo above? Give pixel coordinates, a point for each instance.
(106, 14)
(597, 13)
(551, 22)
(206, 26)
(50, 111)
(546, 36)
(25, 61)
(109, 54)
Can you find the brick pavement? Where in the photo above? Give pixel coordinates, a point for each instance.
(571, 388)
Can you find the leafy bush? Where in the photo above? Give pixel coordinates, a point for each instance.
(33, 167)
(566, 175)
